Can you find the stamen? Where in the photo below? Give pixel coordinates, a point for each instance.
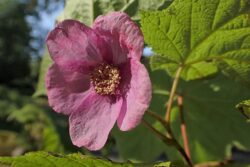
(105, 79)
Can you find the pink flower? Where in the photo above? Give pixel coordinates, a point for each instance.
(97, 78)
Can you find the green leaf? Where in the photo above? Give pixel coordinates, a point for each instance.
(199, 35)
(211, 120)
(57, 160)
(244, 108)
(49, 159)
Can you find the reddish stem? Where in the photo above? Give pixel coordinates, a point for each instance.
(183, 126)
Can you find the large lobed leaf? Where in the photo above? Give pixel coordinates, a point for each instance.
(200, 35)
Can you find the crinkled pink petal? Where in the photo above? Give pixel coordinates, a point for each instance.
(138, 94)
(122, 34)
(74, 45)
(91, 124)
(66, 89)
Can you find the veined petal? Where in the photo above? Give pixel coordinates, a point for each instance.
(73, 42)
(122, 34)
(66, 90)
(90, 125)
(137, 85)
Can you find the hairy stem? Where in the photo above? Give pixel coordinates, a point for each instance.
(183, 126)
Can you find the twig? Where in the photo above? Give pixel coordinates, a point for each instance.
(183, 126)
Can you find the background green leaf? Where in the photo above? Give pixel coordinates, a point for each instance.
(79, 10)
(211, 118)
(45, 64)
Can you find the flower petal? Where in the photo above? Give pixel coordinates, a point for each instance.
(66, 89)
(122, 34)
(73, 42)
(138, 95)
(90, 126)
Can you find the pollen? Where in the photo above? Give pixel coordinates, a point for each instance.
(105, 79)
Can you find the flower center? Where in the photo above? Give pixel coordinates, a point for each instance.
(105, 79)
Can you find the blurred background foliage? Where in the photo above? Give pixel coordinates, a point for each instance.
(27, 123)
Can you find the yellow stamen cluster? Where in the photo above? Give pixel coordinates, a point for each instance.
(105, 79)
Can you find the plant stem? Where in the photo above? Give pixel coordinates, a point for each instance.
(168, 117)
(182, 152)
(183, 126)
(167, 141)
(171, 99)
